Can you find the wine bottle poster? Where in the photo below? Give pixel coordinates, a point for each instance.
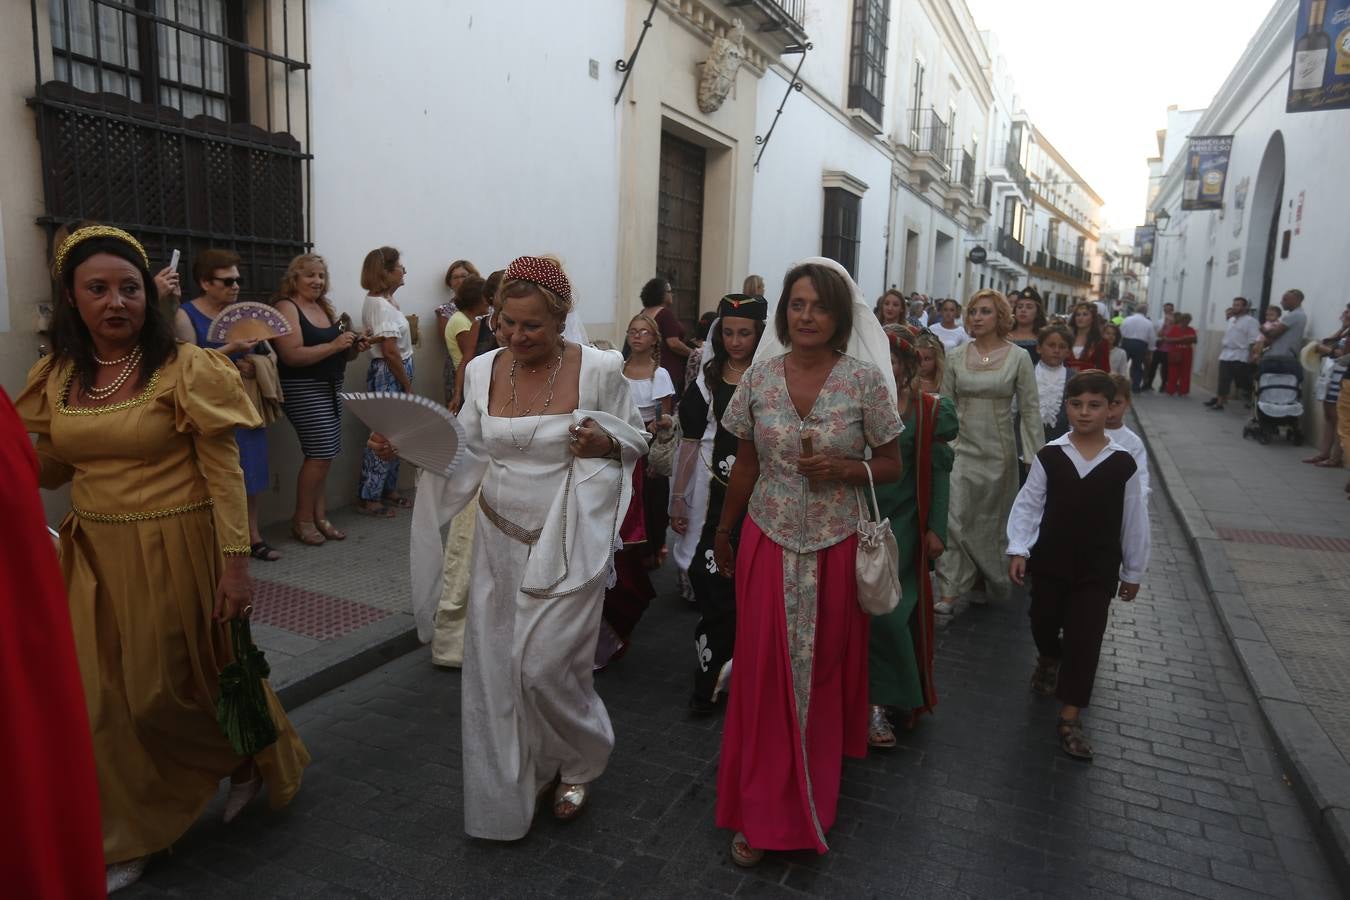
(1206, 172)
(1319, 76)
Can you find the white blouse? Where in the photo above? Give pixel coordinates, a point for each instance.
(950, 337)
(1050, 390)
(649, 392)
(381, 318)
(1024, 522)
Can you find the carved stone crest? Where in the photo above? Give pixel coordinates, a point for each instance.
(719, 71)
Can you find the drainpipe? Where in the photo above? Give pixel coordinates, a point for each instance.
(892, 202)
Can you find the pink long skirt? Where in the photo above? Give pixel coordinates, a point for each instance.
(778, 787)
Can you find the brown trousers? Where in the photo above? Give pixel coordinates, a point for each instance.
(1080, 611)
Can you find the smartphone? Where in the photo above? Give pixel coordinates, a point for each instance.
(807, 449)
(173, 260)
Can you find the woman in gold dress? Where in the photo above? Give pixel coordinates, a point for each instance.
(155, 549)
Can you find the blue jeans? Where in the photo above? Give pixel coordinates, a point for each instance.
(378, 477)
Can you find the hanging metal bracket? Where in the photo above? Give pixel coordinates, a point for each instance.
(794, 84)
(626, 65)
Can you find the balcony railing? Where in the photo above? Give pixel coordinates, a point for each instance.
(1052, 263)
(987, 193)
(1011, 248)
(928, 134)
(1015, 170)
(963, 170)
(788, 16)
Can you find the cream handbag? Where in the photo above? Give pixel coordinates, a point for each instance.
(878, 558)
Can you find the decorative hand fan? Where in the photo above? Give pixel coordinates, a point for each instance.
(423, 431)
(245, 321)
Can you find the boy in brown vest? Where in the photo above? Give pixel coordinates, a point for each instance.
(1079, 527)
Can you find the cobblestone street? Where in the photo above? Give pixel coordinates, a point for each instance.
(1184, 798)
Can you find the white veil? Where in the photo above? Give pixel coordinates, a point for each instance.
(868, 342)
(574, 330)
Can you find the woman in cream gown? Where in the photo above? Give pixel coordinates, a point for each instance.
(551, 483)
(982, 379)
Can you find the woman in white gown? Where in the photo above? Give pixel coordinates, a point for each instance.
(552, 438)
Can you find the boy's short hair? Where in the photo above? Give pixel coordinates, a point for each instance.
(1049, 330)
(1122, 387)
(1091, 381)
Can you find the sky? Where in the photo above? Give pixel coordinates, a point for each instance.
(1096, 78)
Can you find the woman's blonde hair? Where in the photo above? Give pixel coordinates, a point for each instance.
(753, 285)
(929, 341)
(1003, 323)
(656, 333)
(290, 282)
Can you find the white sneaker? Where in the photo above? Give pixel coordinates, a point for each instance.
(125, 874)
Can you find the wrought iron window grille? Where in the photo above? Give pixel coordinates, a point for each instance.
(178, 120)
(867, 64)
(840, 233)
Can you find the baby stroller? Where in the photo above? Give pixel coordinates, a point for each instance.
(1279, 402)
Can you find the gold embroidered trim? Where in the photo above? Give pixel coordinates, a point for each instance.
(506, 526)
(236, 551)
(65, 409)
(126, 518)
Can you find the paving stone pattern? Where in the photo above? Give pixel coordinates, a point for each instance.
(1285, 527)
(315, 595)
(1184, 799)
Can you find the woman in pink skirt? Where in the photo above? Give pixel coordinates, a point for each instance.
(806, 413)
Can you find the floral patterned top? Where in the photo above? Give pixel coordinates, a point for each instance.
(853, 411)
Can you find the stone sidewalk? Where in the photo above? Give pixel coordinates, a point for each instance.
(325, 615)
(1272, 536)
(1184, 799)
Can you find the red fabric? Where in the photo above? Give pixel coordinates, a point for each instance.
(761, 782)
(54, 845)
(632, 592)
(674, 365)
(1095, 356)
(1179, 359)
(923, 630)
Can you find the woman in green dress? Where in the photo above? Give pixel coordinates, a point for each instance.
(901, 643)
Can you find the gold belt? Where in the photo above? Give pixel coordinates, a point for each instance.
(506, 526)
(124, 518)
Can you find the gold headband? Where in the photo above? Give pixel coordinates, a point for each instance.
(75, 238)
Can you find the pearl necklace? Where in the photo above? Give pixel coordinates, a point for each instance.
(132, 363)
(736, 371)
(517, 412)
(115, 362)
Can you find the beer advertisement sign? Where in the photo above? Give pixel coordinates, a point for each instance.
(1206, 171)
(1320, 75)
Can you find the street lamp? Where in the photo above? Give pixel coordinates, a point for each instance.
(1160, 220)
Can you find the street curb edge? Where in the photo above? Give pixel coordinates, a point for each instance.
(1321, 778)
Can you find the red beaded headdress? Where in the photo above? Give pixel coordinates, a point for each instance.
(541, 271)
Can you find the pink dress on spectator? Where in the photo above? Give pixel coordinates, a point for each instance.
(798, 702)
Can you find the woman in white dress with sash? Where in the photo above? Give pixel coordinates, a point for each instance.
(552, 438)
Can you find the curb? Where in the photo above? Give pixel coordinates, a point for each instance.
(345, 659)
(1320, 775)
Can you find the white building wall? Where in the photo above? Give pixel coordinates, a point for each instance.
(510, 147)
(496, 142)
(813, 138)
(1250, 106)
